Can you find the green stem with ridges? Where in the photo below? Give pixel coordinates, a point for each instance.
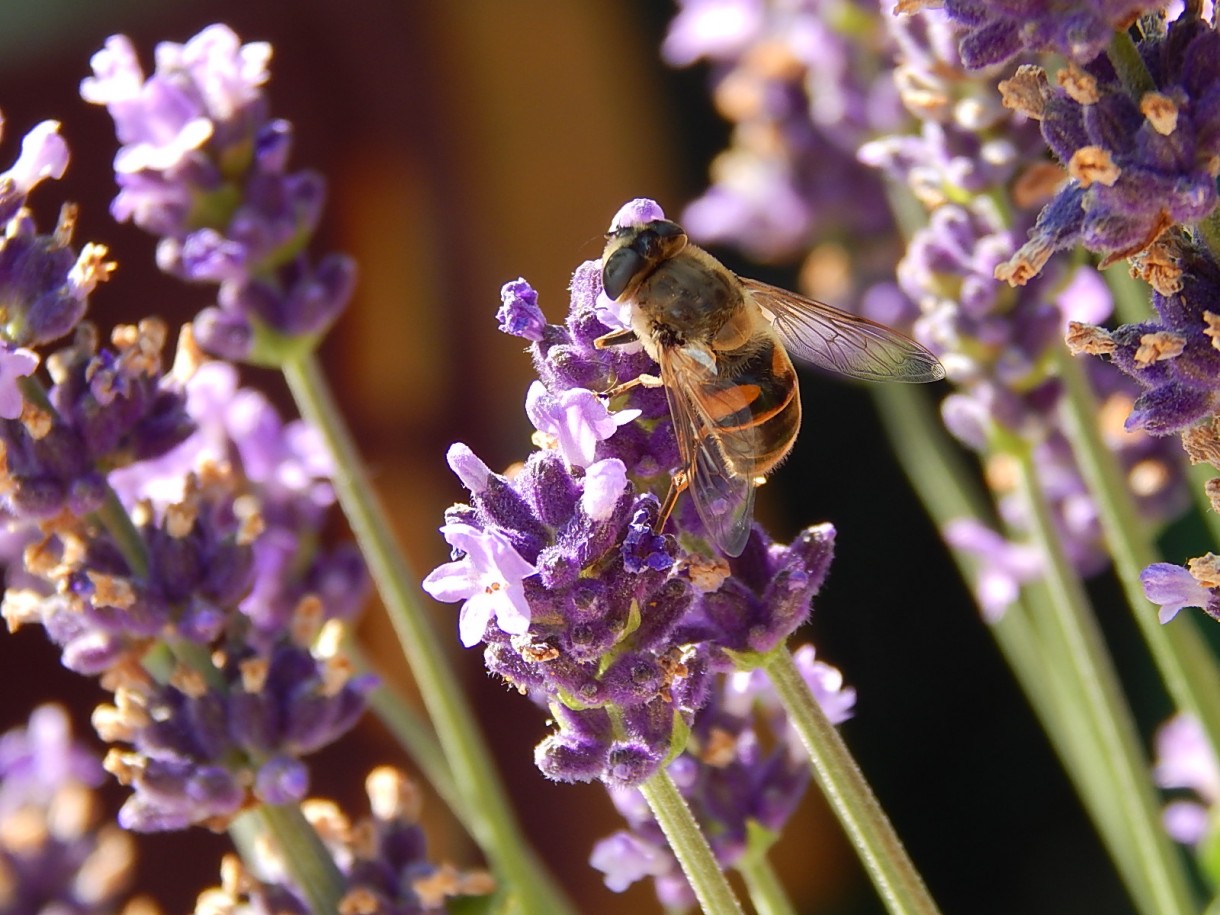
(492, 821)
(1207, 230)
(1197, 478)
(1185, 662)
(947, 487)
(1130, 67)
(689, 846)
(765, 888)
(300, 851)
(1164, 887)
(849, 795)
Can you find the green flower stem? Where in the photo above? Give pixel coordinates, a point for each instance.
(877, 845)
(412, 733)
(689, 846)
(1161, 876)
(1183, 659)
(1129, 66)
(1198, 476)
(302, 853)
(114, 517)
(1131, 302)
(766, 889)
(492, 821)
(949, 490)
(1208, 231)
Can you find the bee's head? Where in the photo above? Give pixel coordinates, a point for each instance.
(632, 251)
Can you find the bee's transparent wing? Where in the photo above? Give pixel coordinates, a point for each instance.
(723, 498)
(842, 342)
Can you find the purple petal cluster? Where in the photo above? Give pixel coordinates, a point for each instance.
(561, 572)
(1140, 162)
(743, 770)
(1186, 760)
(1175, 358)
(44, 283)
(220, 640)
(107, 408)
(801, 98)
(203, 167)
(996, 32)
(382, 858)
(56, 854)
(995, 341)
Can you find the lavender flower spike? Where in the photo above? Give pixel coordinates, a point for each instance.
(581, 602)
(204, 167)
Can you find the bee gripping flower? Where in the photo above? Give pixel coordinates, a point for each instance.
(615, 626)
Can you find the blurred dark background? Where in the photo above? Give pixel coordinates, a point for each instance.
(469, 143)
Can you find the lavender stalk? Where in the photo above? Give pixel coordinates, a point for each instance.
(868, 828)
(204, 168)
(674, 817)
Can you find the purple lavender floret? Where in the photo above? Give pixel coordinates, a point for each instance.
(227, 526)
(204, 167)
(109, 408)
(44, 283)
(1186, 760)
(581, 602)
(56, 853)
(996, 32)
(1140, 165)
(1175, 359)
(743, 770)
(382, 858)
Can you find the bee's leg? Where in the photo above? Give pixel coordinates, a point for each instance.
(615, 338)
(648, 381)
(677, 484)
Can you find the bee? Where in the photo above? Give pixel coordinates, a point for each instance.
(722, 343)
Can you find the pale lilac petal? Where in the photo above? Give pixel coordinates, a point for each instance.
(512, 609)
(576, 419)
(826, 684)
(1172, 587)
(472, 621)
(716, 29)
(44, 154)
(1086, 299)
(605, 482)
(451, 582)
(117, 75)
(473, 473)
(488, 578)
(1186, 822)
(625, 858)
(15, 363)
(1185, 758)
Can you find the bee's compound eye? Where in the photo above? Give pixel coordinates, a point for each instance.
(619, 270)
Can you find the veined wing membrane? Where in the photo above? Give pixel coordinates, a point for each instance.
(842, 342)
(723, 498)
